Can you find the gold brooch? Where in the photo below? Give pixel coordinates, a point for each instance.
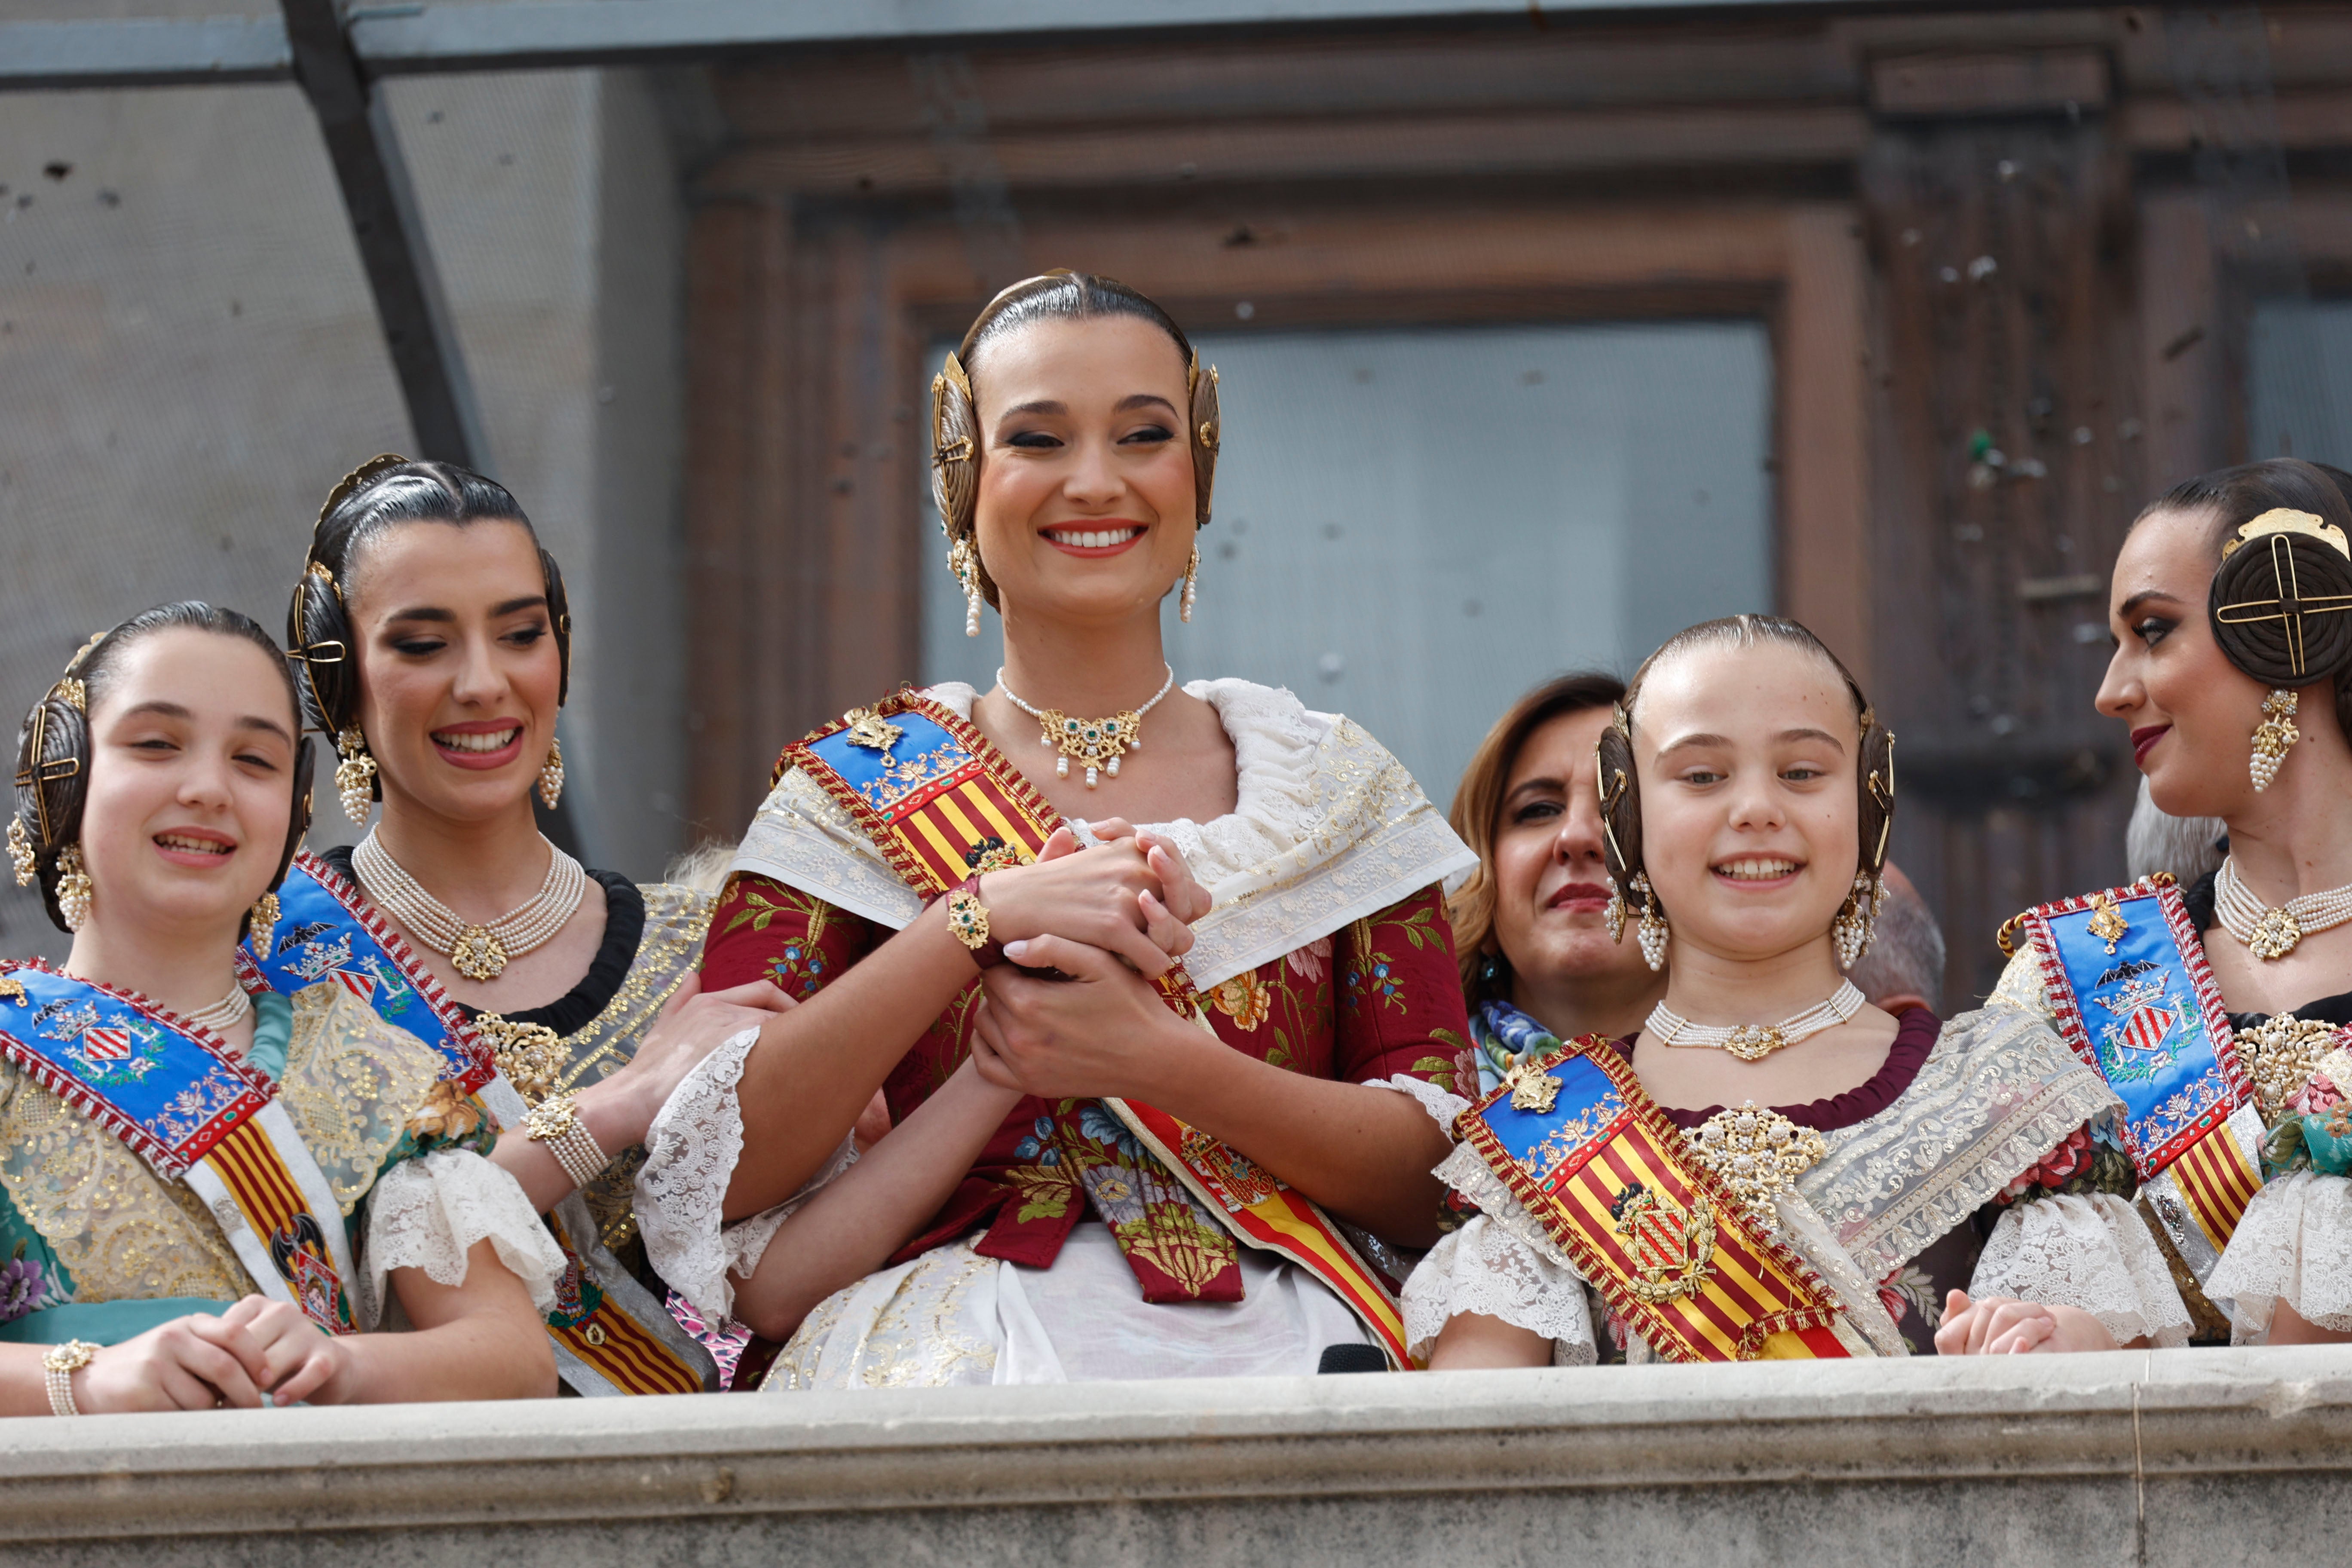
(1757, 1153)
(869, 729)
(2281, 1053)
(12, 989)
(2107, 922)
(531, 1056)
(1532, 1088)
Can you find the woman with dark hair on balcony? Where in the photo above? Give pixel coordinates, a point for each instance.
(1528, 924)
(433, 636)
(1773, 1167)
(1216, 1139)
(2231, 610)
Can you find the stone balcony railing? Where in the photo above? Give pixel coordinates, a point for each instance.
(2202, 1458)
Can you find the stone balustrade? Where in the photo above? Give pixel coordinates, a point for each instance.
(2205, 1457)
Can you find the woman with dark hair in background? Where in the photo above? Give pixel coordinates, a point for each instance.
(1222, 1118)
(1772, 1167)
(435, 642)
(2231, 608)
(1527, 925)
(204, 1186)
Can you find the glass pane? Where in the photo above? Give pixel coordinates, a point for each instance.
(1414, 526)
(2299, 400)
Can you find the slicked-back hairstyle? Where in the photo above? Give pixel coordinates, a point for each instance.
(1478, 807)
(1060, 295)
(2236, 496)
(382, 494)
(54, 749)
(1621, 787)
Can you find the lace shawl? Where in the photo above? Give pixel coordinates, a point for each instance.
(1326, 827)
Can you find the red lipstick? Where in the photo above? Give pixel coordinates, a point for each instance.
(2144, 740)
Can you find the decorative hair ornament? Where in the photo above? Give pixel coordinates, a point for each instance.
(348, 485)
(551, 775)
(355, 774)
(2281, 610)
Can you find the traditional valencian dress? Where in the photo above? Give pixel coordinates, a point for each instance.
(151, 1170)
(1980, 1155)
(610, 1332)
(2239, 1126)
(1326, 953)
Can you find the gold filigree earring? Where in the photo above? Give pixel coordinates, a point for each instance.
(1652, 931)
(2273, 737)
(74, 890)
(551, 775)
(1191, 586)
(354, 775)
(259, 922)
(965, 562)
(1857, 918)
(1613, 915)
(20, 850)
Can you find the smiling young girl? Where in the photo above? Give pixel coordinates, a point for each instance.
(1168, 1196)
(208, 1186)
(1771, 1166)
(435, 642)
(2231, 608)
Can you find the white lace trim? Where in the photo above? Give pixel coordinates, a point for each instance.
(681, 1189)
(428, 1213)
(2091, 1252)
(1483, 1267)
(2294, 1245)
(1443, 1107)
(1326, 827)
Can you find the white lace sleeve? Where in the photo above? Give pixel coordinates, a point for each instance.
(1442, 1106)
(2090, 1251)
(426, 1213)
(1483, 1267)
(2294, 1245)
(681, 1191)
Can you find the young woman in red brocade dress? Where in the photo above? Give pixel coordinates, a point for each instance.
(1154, 1088)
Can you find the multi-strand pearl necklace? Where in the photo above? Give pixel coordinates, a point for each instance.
(1754, 1042)
(224, 1014)
(1096, 743)
(2269, 933)
(480, 952)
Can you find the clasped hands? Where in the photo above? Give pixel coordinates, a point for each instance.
(2003, 1325)
(259, 1352)
(1073, 1014)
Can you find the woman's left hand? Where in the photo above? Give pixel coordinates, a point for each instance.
(1102, 1031)
(2003, 1325)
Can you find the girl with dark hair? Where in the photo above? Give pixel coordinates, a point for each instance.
(1771, 1166)
(1528, 923)
(1215, 1142)
(206, 1187)
(2232, 609)
(433, 639)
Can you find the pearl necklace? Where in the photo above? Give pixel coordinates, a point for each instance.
(1097, 744)
(2270, 933)
(224, 1014)
(480, 952)
(1754, 1042)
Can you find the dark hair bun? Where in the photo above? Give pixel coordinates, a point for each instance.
(2281, 604)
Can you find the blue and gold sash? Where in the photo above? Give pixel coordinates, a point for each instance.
(177, 1096)
(2124, 975)
(326, 931)
(940, 802)
(1582, 1146)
